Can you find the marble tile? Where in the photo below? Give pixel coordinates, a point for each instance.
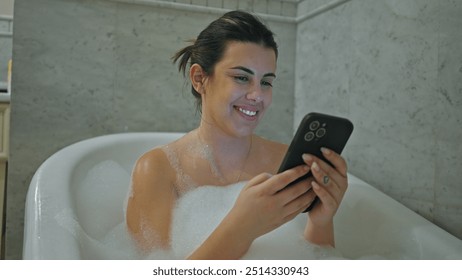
(274, 7)
(387, 165)
(260, 6)
(215, 3)
(322, 83)
(395, 71)
(306, 6)
(289, 9)
(245, 5)
(448, 126)
(398, 62)
(149, 85)
(448, 129)
(448, 187)
(395, 108)
(231, 5)
(400, 98)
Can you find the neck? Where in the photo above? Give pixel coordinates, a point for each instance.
(224, 144)
(229, 153)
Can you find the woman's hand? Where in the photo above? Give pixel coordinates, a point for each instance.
(265, 204)
(330, 184)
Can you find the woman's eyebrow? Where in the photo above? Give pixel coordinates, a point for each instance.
(247, 70)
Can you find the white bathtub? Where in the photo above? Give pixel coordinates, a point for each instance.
(369, 224)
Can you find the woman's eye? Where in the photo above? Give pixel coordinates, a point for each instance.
(267, 84)
(241, 78)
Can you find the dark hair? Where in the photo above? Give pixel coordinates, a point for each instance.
(210, 45)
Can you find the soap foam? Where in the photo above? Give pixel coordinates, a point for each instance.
(99, 224)
(184, 182)
(100, 198)
(200, 211)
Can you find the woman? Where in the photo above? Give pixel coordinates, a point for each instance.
(232, 69)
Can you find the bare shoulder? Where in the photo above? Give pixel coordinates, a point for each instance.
(154, 171)
(152, 164)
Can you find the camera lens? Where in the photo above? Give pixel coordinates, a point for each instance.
(314, 125)
(321, 132)
(309, 136)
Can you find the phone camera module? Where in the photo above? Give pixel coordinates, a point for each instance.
(320, 132)
(314, 125)
(309, 136)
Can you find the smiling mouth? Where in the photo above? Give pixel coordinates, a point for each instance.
(247, 112)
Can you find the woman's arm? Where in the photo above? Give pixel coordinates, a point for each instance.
(330, 184)
(151, 201)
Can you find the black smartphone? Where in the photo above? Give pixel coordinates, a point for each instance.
(316, 130)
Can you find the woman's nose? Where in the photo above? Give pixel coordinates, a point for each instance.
(255, 94)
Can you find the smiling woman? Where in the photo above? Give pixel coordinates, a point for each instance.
(241, 82)
(231, 67)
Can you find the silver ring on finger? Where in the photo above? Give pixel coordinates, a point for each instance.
(325, 179)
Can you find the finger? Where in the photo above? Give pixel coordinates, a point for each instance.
(280, 181)
(327, 199)
(332, 173)
(337, 161)
(260, 178)
(326, 180)
(296, 190)
(300, 203)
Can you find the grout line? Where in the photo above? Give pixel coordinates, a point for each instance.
(321, 10)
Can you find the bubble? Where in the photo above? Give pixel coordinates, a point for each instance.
(184, 182)
(100, 197)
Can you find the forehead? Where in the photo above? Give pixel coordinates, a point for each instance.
(250, 55)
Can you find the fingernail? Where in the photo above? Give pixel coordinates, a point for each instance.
(315, 185)
(307, 157)
(315, 166)
(306, 168)
(325, 151)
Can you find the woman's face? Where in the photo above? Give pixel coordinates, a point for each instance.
(239, 91)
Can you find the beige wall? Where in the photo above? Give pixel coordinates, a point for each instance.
(6, 7)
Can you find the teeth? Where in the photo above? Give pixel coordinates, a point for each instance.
(247, 112)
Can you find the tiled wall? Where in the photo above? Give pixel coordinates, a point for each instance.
(395, 69)
(271, 7)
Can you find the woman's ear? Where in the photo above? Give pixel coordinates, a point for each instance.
(197, 77)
